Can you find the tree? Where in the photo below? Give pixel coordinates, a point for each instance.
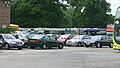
(68, 15)
(91, 13)
(38, 13)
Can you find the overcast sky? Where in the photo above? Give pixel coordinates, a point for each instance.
(114, 5)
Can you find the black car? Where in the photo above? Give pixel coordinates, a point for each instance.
(44, 42)
(99, 41)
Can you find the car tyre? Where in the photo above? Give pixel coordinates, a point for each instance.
(7, 46)
(79, 44)
(60, 46)
(111, 44)
(25, 45)
(98, 45)
(44, 46)
(32, 47)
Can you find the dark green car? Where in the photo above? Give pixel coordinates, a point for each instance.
(44, 42)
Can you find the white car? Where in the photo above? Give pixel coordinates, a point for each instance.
(77, 40)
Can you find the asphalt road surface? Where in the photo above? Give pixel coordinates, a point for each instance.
(69, 57)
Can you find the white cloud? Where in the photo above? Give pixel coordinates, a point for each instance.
(114, 5)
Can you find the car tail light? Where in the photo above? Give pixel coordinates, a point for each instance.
(37, 41)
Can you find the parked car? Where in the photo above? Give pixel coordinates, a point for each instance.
(99, 41)
(10, 41)
(1, 43)
(65, 37)
(23, 38)
(77, 40)
(44, 42)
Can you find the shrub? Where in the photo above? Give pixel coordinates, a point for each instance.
(7, 30)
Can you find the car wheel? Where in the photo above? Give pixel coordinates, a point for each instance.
(25, 46)
(7, 46)
(111, 44)
(44, 46)
(98, 45)
(79, 44)
(32, 47)
(19, 48)
(60, 46)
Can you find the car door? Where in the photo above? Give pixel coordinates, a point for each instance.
(54, 41)
(48, 41)
(103, 40)
(108, 40)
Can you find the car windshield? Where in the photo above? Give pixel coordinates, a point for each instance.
(118, 13)
(37, 36)
(7, 36)
(117, 32)
(96, 37)
(78, 37)
(64, 36)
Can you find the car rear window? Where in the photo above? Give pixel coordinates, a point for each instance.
(37, 36)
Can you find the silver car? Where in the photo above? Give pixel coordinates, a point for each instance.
(1, 43)
(77, 40)
(10, 41)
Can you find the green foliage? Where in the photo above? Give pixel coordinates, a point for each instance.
(91, 13)
(7, 30)
(68, 22)
(52, 13)
(38, 13)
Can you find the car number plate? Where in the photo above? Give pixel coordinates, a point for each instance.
(32, 40)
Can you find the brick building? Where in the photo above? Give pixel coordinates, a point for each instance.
(4, 13)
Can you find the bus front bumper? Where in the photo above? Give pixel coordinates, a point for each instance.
(116, 47)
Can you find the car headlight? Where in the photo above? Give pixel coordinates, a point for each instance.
(85, 41)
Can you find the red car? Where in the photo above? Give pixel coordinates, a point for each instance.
(65, 37)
